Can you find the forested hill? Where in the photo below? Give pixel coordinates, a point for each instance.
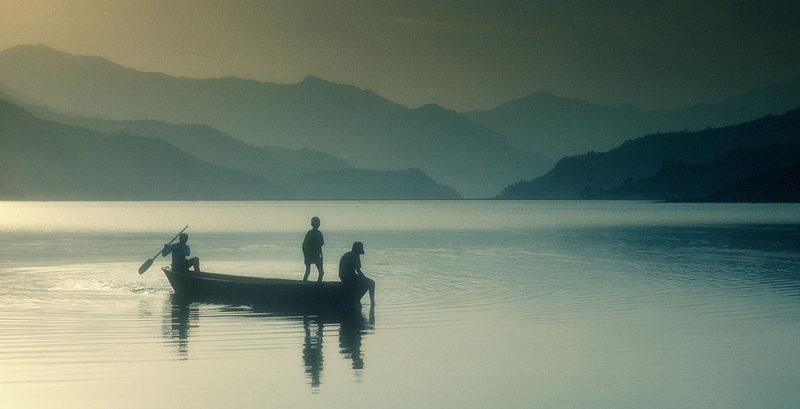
(777, 185)
(604, 175)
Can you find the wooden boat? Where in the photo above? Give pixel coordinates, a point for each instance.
(263, 291)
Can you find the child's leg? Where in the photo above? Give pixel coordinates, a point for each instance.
(371, 286)
(320, 270)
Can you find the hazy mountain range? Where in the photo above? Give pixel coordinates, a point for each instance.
(680, 165)
(50, 161)
(141, 160)
(356, 125)
(318, 136)
(559, 127)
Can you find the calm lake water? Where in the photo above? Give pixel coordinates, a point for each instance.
(479, 305)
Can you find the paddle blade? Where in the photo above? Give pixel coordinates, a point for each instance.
(145, 266)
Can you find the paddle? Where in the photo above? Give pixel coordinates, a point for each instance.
(149, 262)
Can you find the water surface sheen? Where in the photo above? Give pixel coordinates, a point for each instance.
(480, 304)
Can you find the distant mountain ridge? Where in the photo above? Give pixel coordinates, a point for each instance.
(592, 175)
(217, 147)
(410, 184)
(356, 125)
(295, 169)
(477, 153)
(49, 161)
(558, 127)
(46, 160)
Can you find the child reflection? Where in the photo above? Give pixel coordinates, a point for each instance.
(312, 351)
(351, 331)
(181, 323)
(352, 328)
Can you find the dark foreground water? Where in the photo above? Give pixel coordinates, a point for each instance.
(480, 305)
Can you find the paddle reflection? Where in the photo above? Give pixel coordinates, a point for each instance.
(184, 315)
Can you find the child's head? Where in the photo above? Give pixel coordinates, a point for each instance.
(183, 238)
(358, 247)
(315, 222)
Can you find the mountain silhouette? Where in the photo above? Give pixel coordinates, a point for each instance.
(45, 160)
(216, 147)
(680, 181)
(356, 125)
(559, 127)
(287, 170)
(593, 174)
(295, 169)
(342, 184)
(772, 186)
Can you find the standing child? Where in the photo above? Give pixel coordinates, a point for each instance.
(312, 249)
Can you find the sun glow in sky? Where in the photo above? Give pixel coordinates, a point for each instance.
(460, 54)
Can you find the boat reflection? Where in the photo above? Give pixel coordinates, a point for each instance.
(184, 315)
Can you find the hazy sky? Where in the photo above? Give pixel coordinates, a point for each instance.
(460, 54)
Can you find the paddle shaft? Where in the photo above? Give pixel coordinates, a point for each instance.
(149, 262)
(170, 242)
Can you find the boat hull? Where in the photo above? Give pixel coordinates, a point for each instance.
(263, 291)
